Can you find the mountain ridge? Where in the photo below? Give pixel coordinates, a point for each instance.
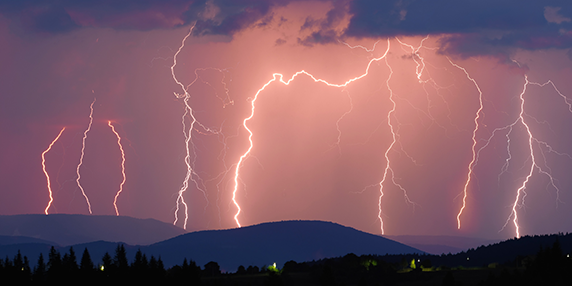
(70, 229)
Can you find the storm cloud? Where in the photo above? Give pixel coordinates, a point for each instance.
(467, 27)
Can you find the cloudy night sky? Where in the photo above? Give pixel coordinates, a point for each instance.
(416, 100)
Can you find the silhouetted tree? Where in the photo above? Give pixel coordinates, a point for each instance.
(86, 264)
(69, 261)
(40, 270)
(140, 262)
(107, 262)
(120, 259)
(87, 270)
(156, 269)
(140, 267)
(241, 270)
(18, 269)
(192, 273)
(211, 269)
(290, 266)
(252, 269)
(55, 269)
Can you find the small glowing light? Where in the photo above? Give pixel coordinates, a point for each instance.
(102, 268)
(467, 258)
(274, 264)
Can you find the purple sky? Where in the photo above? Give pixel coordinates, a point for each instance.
(318, 152)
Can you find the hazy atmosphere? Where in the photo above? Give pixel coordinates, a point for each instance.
(410, 118)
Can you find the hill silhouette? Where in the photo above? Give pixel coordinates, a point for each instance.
(439, 244)
(273, 242)
(255, 245)
(70, 229)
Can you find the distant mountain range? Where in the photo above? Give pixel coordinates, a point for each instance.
(441, 244)
(70, 229)
(258, 245)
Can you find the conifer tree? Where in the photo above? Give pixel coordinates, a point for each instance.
(40, 270)
(86, 265)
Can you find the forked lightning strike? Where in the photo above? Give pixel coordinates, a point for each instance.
(46, 172)
(386, 154)
(473, 162)
(82, 154)
(122, 166)
(187, 133)
(521, 191)
(280, 78)
(190, 124)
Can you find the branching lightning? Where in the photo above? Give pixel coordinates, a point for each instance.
(122, 166)
(280, 78)
(531, 140)
(46, 172)
(387, 168)
(521, 191)
(473, 162)
(187, 133)
(82, 154)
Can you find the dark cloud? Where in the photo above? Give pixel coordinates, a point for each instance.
(321, 37)
(64, 15)
(221, 17)
(280, 42)
(467, 27)
(471, 27)
(233, 16)
(326, 28)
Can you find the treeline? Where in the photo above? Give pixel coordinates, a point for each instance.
(116, 269)
(550, 266)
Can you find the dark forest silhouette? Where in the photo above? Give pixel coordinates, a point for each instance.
(549, 265)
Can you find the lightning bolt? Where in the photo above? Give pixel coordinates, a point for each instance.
(521, 191)
(474, 159)
(83, 153)
(277, 77)
(122, 166)
(522, 188)
(187, 133)
(46, 172)
(188, 110)
(388, 168)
